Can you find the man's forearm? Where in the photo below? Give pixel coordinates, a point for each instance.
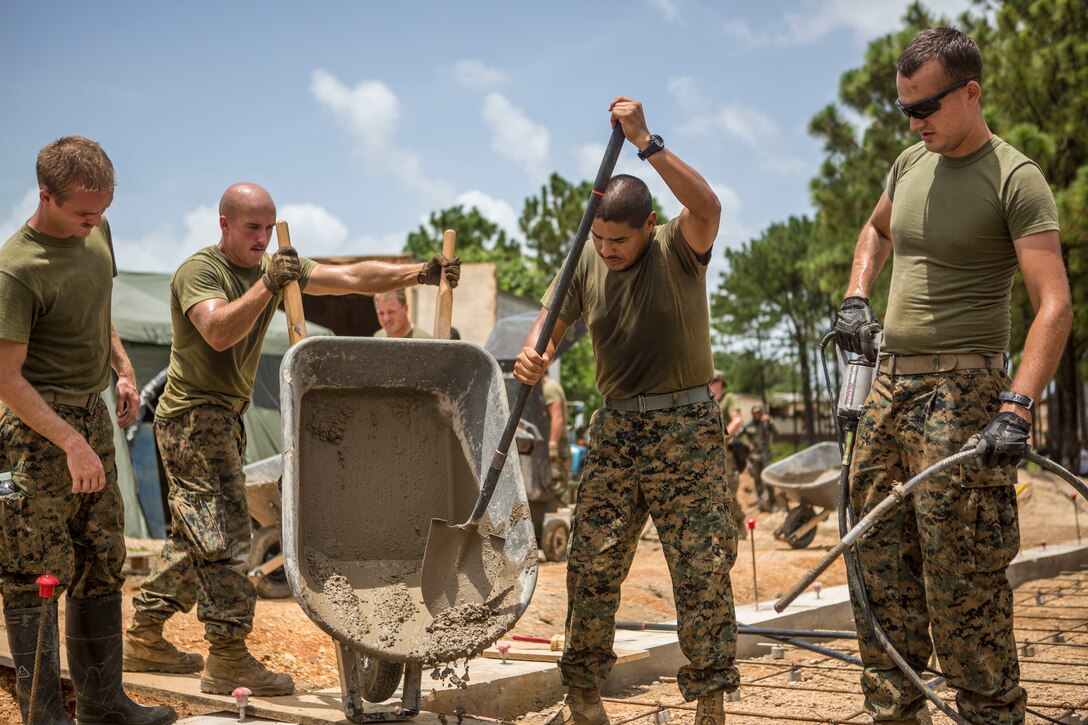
(687, 185)
(1042, 351)
(29, 406)
(230, 322)
(870, 255)
(368, 277)
(119, 358)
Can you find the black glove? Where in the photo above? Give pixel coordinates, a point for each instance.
(856, 328)
(283, 268)
(431, 270)
(1006, 439)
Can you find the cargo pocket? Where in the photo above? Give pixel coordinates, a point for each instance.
(990, 530)
(201, 521)
(20, 537)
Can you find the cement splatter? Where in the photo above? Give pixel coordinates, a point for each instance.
(519, 511)
(327, 422)
(393, 606)
(463, 631)
(338, 592)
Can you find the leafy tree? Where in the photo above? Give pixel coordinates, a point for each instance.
(768, 287)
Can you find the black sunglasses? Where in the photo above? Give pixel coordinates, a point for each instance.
(928, 106)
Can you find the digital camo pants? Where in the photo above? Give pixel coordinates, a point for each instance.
(669, 464)
(203, 560)
(44, 527)
(937, 562)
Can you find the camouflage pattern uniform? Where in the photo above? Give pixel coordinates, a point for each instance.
(203, 451)
(939, 559)
(45, 527)
(760, 433)
(669, 464)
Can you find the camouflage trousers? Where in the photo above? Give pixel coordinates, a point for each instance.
(44, 527)
(669, 464)
(755, 468)
(203, 560)
(559, 462)
(937, 562)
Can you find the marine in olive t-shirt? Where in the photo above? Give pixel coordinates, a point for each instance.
(198, 374)
(952, 281)
(416, 333)
(54, 298)
(649, 323)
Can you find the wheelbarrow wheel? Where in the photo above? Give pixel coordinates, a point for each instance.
(265, 544)
(554, 539)
(796, 519)
(379, 678)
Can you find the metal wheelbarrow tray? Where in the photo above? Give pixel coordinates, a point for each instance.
(381, 436)
(808, 478)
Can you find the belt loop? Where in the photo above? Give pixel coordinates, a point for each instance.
(675, 398)
(641, 403)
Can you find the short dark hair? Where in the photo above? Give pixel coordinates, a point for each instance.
(626, 199)
(957, 53)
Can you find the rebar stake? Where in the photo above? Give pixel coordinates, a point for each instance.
(751, 523)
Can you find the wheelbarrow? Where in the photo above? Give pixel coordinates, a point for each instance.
(809, 480)
(381, 437)
(265, 561)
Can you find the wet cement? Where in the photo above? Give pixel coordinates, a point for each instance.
(375, 466)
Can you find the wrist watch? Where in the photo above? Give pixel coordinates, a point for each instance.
(1008, 396)
(656, 144)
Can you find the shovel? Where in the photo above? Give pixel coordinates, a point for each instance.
(460, 563)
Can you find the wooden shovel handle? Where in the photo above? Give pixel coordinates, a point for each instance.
(292, 293)
(443, 311)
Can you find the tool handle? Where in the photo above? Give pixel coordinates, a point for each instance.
(292, 293)
(604, 174)
(866, 523)
(443, 311)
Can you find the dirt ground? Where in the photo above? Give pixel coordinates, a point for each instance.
(1046, 514)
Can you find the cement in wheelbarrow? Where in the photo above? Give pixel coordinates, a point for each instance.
(381, 436)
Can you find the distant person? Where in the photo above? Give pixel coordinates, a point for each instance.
(392, 309)
(555, 399)
(761, 431)
(222, 300)
(657, 441)
(1083, 460)
(962, 211)
(732, 423)
(61, 510)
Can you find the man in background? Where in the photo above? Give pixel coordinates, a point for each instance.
(555, 399)
(392, 309)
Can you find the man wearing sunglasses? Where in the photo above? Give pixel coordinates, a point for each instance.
(961, 212)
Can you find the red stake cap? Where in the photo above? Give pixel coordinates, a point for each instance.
(241, 695)
(503, 647)
(751, 524)
(46, 583)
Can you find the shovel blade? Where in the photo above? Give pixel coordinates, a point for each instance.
(459, 566)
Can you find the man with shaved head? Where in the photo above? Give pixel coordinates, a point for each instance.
(222, 301)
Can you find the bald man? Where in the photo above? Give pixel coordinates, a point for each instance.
(221, 301)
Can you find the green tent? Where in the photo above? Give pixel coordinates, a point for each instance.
(141, 316)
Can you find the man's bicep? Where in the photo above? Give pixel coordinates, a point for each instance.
(881, 218)
(1041, 265)
(698, 233)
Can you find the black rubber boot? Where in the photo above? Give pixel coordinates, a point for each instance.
(48, 704)
(93, 633)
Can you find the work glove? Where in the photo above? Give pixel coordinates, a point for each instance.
(856, 328)
(1005, 438)
(432, 269)
(283, 268)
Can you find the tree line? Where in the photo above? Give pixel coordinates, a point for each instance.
(782, 289)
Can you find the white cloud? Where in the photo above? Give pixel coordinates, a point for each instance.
(163, 249)
(497, 210)
(516, 136)
(20, 212)
(314, 230)
(476, 76)
(818, 18)
(669, 8)
(370, 112)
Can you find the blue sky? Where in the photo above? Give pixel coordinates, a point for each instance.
(363, 117)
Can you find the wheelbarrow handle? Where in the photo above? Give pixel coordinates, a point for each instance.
(604, 174)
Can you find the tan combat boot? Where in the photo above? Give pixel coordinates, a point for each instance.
(581, 707)
(710, 710)
(230, 665)
(145, 650)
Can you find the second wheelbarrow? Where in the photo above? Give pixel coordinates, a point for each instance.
(809, 479)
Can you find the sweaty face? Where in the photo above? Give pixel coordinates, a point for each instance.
(944, 131)
(619, 244)
(246, 233)
(77, 215)
(393, 317)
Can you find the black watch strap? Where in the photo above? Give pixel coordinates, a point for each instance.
(1008, 396)
(656, 144)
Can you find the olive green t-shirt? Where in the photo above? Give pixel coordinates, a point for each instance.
(199, 375)
(553, 392)
(416, 333)
(649, 323)
(953, 224)
(55, 299)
